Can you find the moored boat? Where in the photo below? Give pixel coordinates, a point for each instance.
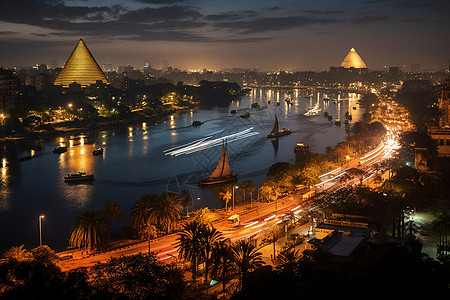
(221, 173)
(98, 151)
(79, 176)
(330, 117)
(60, 149)
(337, 122)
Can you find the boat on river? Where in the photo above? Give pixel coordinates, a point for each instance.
(79, 177)
(255, 105)
(98, 151)
(275, 133)
(245, 115)
(300, 147)
(60, 149)
(197, 123)
(222, 172)
(233, 111)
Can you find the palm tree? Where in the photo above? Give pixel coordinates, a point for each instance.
(288, 260)
(209, 236)
(189, 244)
(140, 212)
(166, 210)
(251, 188)
(88, 231)
(247, 187)
(111, 212)
(355, 172)
(226, 194)
(245, 258)
(221, 261)
(18, 253)
(150, 232)
(186, 199)
(272, 233)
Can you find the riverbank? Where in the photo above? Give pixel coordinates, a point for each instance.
(82, 126)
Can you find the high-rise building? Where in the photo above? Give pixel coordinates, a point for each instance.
(442, 133)
(415, 68)
(81, 68)
(9, 91)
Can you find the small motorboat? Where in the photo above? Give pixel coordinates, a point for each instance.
(233, 111)
(197, 123)
(98, 151)
(255, 105)
(300, 147)
(60, 149)
(245, 115)
(80, 176)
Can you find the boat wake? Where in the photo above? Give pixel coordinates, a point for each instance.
(207, 142)
(313, 111)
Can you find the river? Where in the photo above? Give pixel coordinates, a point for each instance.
(137, 160)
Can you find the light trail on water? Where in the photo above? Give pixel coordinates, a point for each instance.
(205, 143)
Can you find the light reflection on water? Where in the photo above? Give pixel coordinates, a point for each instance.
(134, 163)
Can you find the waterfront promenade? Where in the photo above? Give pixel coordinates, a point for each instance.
(164, 246)
(252, 219)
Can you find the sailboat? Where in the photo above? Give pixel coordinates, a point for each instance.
(277, 133)
(222, 172)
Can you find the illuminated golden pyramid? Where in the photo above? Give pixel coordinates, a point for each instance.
(81, 68)
(353, 60)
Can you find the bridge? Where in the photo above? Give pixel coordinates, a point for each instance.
(359, 90)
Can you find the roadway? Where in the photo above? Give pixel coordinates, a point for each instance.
(253, 220)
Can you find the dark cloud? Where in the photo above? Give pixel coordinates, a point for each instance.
(266, 24)
(227, 16)
(160, 1)
(366, 19)
(164, 13)
(320, 12)
(273, 8)
(38, 12)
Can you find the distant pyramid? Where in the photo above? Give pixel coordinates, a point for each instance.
(353, 60)
(81, 68)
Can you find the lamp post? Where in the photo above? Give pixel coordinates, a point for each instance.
(40, 229)
(234, 187)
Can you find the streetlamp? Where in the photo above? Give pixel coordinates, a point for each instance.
(40, 229)
(234, 187)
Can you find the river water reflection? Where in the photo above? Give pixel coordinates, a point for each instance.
(136, 160)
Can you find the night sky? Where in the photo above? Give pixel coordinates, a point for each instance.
(197, 34)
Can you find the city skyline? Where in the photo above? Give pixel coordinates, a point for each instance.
(197, 34)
